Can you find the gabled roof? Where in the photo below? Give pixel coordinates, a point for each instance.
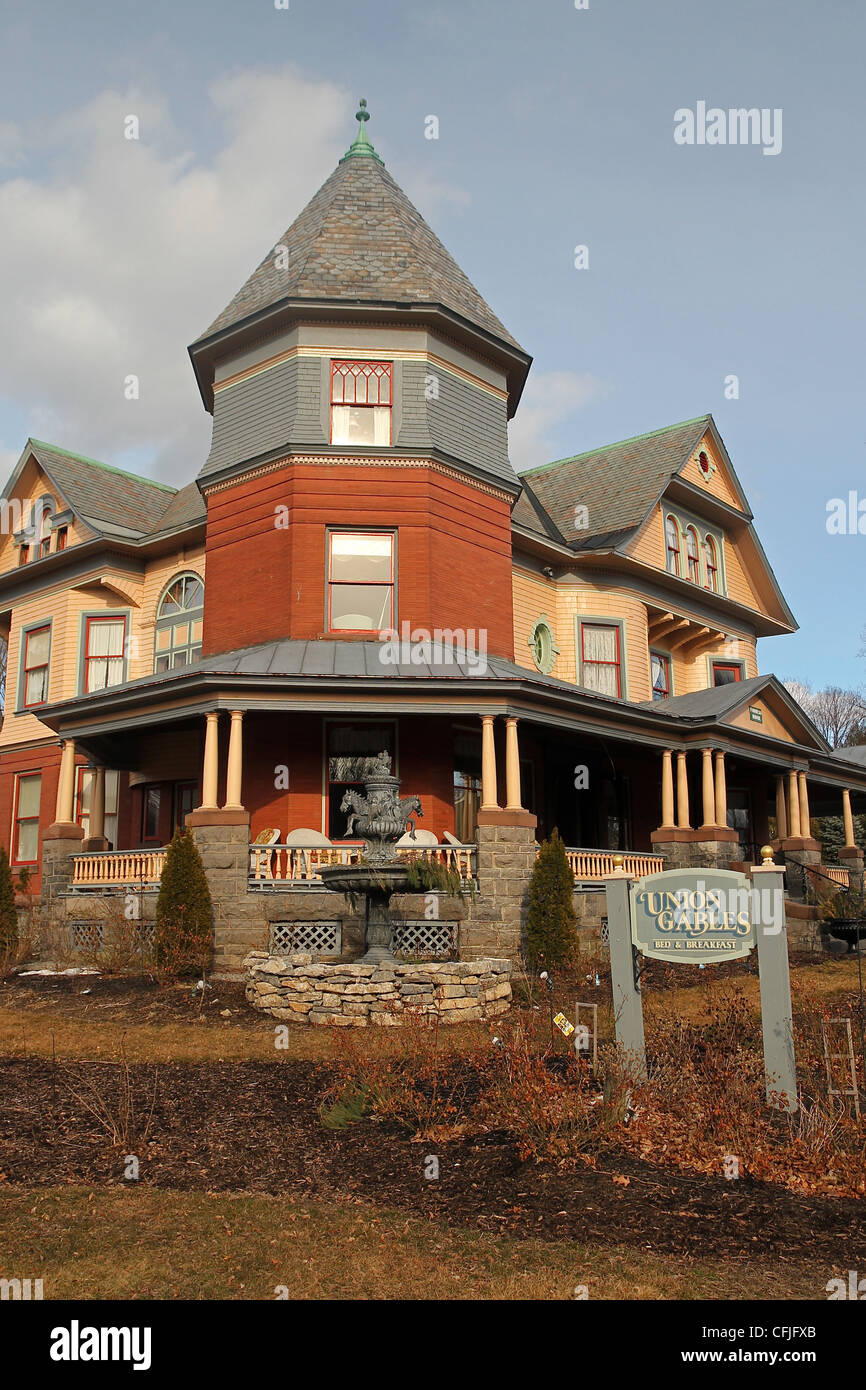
(720, 703)
(361, 239)
(619, 484)
(110, 500)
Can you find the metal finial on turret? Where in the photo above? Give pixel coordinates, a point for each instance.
(361, 146)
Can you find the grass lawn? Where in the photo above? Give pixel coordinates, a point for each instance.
(131, 1242)
(83, 1028)
(139, 1244)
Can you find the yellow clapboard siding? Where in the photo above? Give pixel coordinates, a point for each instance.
(66, 607)
(719, 483)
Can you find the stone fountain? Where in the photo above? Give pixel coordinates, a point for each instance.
(380, 818)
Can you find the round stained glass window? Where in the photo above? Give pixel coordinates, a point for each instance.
(544, 649)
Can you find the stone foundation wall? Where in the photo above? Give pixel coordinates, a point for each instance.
(295, 990)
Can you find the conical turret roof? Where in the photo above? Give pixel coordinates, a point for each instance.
(361, 239)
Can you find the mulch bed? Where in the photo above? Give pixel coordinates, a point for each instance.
(130, 999)
(254, 1126)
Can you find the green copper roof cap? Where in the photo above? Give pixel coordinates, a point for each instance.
(361, 144)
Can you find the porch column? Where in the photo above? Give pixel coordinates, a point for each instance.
(667, 788)
(781, 813)
(805, 825)
(793, 806)
(234, 772)
(66, 785)
(512, 767)
(97, 804)
(489, 799)
(721, 790)
(707, 783)
(848, 819)
(210, 770)
(683, 821)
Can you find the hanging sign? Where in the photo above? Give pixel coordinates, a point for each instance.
(698, 916)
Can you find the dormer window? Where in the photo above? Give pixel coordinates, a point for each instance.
(361, 398)
(62, 537)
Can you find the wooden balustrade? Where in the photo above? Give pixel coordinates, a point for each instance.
(840, 876)
(593, 865)
(274, 864)
(118, 868)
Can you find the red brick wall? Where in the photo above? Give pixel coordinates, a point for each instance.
(29, 760)
(425, 765)
(264, 583)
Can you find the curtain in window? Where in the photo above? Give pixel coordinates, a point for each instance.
(600, 665)
(36, 660)
(105, 654)
(27, 816)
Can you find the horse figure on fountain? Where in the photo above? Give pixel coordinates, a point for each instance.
(369, 815)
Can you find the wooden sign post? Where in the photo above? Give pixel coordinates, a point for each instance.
(701, 917)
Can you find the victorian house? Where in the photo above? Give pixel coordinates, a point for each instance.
(357, 569)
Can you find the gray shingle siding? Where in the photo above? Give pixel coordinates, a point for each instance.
(471, 426)
(253, 417)
(288, 406)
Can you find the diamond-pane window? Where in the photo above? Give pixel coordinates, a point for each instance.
(361, 399)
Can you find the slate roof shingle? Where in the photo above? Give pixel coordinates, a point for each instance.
(360, 238)
(112, 501)
(618, 484)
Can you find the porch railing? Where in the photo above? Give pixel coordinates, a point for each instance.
(840, 876)
(271, 865)
(593, 865)
(118, 868)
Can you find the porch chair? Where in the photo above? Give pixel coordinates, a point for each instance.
(422, 837)
(264, 839)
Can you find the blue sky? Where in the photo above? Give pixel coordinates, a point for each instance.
(555, 129)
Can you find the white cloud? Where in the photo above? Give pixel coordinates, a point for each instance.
(119, 253)
(550, 399)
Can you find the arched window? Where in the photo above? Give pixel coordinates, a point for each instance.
(712, 565)
(692, 555)
(179, 623)
(42, 525)
(672, 541)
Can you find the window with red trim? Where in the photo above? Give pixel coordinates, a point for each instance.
(660, 669)
(104, 653)
(711, 563)
(360, 581)
(37, 647)
(725, 673)
(25, 839)
(361, 399)
(693, 555)
(672, 541)
(23, 554)
(62, 537)
(600, 659)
